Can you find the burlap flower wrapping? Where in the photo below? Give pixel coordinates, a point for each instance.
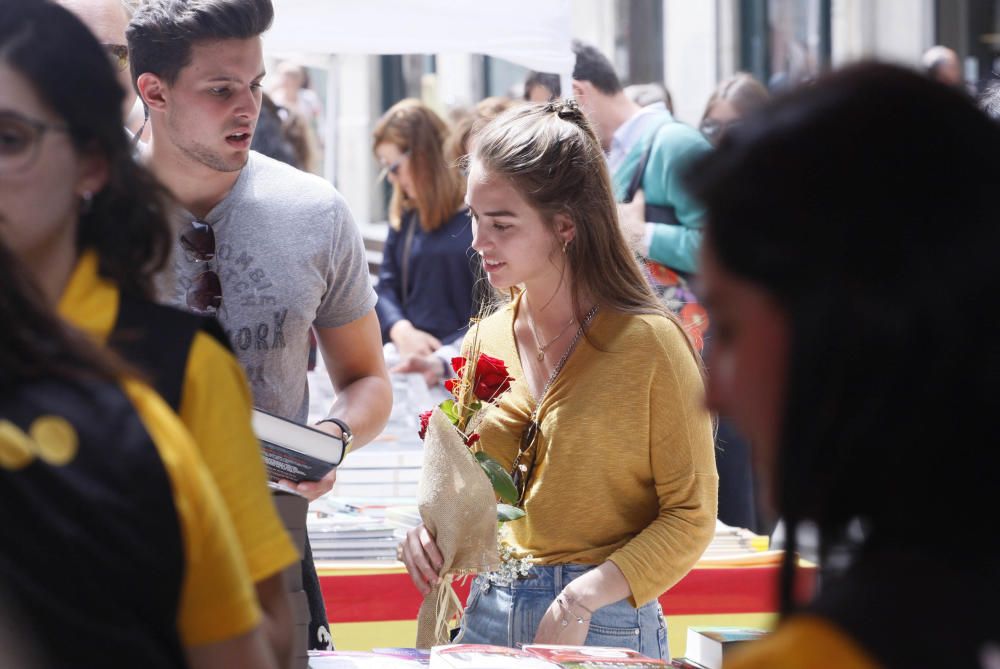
(458, 506)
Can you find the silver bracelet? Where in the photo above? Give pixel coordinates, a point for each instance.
(565, 602)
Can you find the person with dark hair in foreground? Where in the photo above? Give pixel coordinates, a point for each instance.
(276, 251)
(851, 280)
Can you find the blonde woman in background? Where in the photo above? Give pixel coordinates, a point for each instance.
(425, 286)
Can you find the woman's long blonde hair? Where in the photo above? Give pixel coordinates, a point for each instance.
(414, 128)
(550, 154)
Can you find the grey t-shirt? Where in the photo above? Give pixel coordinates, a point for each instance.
(288, 255)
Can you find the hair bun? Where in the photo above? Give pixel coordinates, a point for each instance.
(567, 110)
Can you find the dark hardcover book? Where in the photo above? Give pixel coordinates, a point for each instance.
(295, 452)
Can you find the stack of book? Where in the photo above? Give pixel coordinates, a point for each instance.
(380, 469)
(732, 542)
(351, 537)
(403, 517)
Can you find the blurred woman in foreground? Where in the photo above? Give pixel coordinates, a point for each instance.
(850, 269)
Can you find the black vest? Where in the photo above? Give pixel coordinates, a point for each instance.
(91, 551)
(157, 339)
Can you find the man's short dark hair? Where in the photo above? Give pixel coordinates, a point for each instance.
(594, 66)
(162, 32)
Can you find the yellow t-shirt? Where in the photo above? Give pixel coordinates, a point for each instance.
(217, 597)
(803, 642)
(215, 408)
(625, 468)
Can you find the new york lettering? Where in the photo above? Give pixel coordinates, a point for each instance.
(262, 336)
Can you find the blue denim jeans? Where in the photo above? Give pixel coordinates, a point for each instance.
(509, 616)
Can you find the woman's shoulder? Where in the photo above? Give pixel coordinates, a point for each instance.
(649, 332)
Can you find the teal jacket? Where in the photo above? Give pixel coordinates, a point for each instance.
(675, 146)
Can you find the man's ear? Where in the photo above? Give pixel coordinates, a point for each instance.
(565, 228)
(580, 88)
(152, 90)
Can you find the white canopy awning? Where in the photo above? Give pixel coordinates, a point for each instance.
(532, 33)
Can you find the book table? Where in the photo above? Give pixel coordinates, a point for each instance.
(374, 604)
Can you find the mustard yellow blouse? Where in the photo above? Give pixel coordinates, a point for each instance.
(625, 466)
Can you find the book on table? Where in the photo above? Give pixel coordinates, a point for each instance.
(538, 656)
(594, 657)
(295, 452)
(477, 656)
(709, 646)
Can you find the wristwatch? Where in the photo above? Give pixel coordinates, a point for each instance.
(346, 437)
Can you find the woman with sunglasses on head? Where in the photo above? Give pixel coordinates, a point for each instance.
(731, 101)
(426, 281)
(91, 225)
(114, 533)
(604, 427)
(852, 279)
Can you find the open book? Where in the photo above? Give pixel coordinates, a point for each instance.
(295, 452)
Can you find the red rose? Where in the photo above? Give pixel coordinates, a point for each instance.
(458, 364)
(424, 419)
(492, 378)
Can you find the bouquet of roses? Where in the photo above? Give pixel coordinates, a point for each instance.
(459, 487)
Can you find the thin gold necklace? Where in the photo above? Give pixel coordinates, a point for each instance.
(538, 343)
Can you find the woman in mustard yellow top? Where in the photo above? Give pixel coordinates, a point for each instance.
(851, 271)
(90, 225)
(604, 426)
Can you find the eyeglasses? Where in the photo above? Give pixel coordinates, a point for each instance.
(523, 468)
(118, 53)
(393, 167)
(204, 295)
(20, 140)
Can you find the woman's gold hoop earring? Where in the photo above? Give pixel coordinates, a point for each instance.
(565, 246)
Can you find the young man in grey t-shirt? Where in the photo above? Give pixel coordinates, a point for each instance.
(269, 250)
